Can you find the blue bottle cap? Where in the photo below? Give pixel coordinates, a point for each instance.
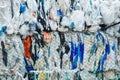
(22, 8)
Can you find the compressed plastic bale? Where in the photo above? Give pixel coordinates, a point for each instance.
(54, 59)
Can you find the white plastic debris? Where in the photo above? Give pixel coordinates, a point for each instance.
(108, 12)
(77, 17)
(65, 21)
(10, 29)
(24, 29)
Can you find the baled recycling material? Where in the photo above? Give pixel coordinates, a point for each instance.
(59, 39)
